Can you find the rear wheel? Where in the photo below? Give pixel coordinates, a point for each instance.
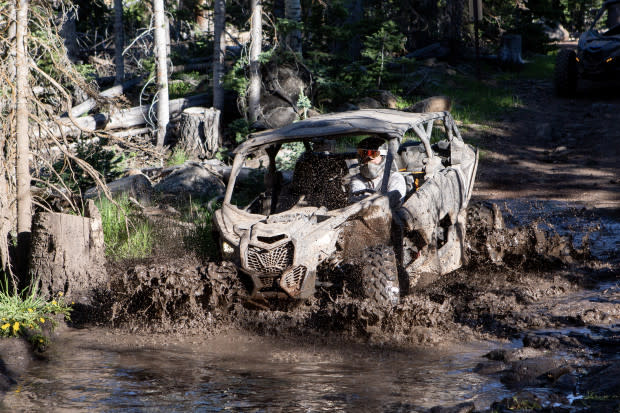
(565, 74)
(379, 276)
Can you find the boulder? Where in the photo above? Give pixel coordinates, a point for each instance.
(192, 178)
(368, 103)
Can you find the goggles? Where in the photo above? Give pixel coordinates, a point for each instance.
(370, 153)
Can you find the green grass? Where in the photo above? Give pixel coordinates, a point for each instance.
(125, 236)
(25, 314)
(177, 157)
(200, 240)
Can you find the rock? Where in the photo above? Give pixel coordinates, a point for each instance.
(529, 372)
(346, 107)
(277, 117)
(545, 342)
(431, 104)
(387, 99)
(556, 32)
(522, 402)
(466, 407)
(137, 186)
(603, 381)
(192, 178)
(368, 103)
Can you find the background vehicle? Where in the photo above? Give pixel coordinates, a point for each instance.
(302, 229)
(598, 52)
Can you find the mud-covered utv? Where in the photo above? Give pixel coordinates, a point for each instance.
(598, 52)
(302, 229)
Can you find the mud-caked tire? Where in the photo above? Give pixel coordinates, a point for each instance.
(565, 73)
(379, 276)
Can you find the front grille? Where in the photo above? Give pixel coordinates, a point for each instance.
(270, 262)
(291, 281)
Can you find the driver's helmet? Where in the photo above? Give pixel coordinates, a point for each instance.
(371, 148)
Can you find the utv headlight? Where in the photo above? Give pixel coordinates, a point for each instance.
(227, 250)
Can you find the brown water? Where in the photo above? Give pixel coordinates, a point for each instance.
(103, 371)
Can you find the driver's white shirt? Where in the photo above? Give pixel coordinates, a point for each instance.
(396, 183)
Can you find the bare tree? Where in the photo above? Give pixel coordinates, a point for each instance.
(163, 111)
(292, 12)
(256, 35)
(119, 42)
(454, 29)
(24, 200)
(219, 51)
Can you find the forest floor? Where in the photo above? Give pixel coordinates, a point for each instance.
(552, 161)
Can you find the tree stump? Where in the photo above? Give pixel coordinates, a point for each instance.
(68, 254)
(199, 132)
(510, 51)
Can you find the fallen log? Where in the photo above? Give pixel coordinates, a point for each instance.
(115, 91)
(123, 119)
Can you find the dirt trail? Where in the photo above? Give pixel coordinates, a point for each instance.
(553, 148)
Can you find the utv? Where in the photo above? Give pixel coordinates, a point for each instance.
(302, 229)
(598, 52)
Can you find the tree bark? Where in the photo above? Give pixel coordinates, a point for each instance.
(199, 132)
(219, 52)
(119, 42)
(292, 11)
(255, 51)
(68, 254)
(24, 201)
(163, 114)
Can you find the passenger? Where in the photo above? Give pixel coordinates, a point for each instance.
(371, 154)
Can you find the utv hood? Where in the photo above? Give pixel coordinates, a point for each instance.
(596, 46)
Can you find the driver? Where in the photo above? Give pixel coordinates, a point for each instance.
(371, 154)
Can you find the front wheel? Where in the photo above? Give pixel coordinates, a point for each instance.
(379, 276)
(565, 73)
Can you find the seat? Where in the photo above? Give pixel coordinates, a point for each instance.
(318, 180)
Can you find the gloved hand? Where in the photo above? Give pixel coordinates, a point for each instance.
(433, 165)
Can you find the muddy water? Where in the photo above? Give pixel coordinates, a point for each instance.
(95, 369)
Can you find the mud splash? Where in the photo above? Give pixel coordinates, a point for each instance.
(511, 266)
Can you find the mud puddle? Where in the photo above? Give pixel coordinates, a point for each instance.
(98, 370)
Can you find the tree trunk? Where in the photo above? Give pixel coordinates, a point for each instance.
(199, 132)
(219, 51)
(119, 42)
(163, 114)
(90, 103)
(292, 11)
(69, 35)
(455, 23)
(255, 50)
(126, 118)
(68, 254)
(24, 201)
